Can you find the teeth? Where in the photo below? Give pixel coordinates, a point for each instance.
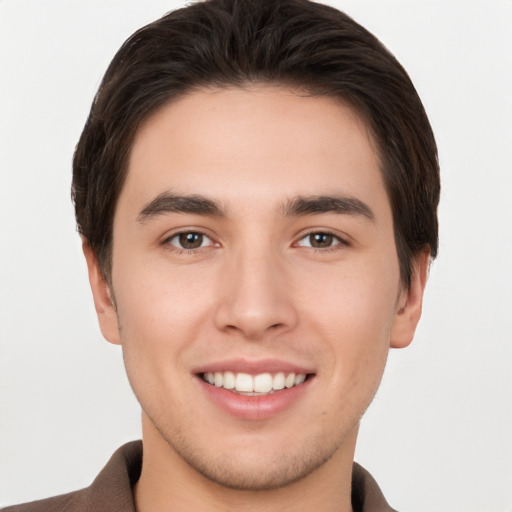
(262, 383)
(278, 382)
(229, 380)
(290, 380)
(244, 382)
(299, 379)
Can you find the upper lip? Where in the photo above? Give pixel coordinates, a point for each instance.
(252, 367)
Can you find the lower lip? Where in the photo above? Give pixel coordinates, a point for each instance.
(255, 407)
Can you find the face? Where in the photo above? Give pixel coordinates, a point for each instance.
(256, 282)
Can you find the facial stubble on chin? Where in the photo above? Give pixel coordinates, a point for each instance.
(225, 470)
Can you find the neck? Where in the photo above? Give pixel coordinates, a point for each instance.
(168, 482)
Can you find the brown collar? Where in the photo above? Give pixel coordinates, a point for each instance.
(111, 491)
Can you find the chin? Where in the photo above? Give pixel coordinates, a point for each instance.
(260, 464)
(252, 472)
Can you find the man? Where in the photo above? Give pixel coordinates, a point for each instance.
(256, 188)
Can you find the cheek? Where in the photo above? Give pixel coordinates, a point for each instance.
(360, 297)
(158, 327)
(354, 310)
(160, 314)
(157, 296)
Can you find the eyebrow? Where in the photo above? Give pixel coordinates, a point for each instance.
(167, 202)
(311, 205)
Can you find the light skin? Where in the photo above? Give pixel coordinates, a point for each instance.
(290, 258)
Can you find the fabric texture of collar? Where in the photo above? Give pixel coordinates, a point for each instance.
(111, 491)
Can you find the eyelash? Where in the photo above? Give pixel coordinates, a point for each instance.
(183, 250)
(340, 242)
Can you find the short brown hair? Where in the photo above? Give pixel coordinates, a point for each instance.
(296, 43)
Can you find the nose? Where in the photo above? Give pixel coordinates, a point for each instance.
(256, 298)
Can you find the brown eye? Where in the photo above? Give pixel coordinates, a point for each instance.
(190, 240)
(320, 240)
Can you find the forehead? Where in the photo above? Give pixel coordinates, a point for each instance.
(254, 142)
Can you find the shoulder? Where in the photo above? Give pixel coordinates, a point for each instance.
(75, 501)
(366, 494)
(111, 490)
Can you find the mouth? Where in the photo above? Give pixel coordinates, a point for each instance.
(255, 390)
(261, 384)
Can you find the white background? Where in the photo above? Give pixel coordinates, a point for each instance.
(439, 434)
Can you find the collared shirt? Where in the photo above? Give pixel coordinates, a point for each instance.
(111, 491)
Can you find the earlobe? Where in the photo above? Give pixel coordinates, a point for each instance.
(103, 301)
(410, 304)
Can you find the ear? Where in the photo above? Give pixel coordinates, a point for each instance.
(103, 298)
(410, 303)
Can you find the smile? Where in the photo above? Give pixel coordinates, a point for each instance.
(253, 385)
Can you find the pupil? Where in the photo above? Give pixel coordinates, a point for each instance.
(321, 240)
(191, 240)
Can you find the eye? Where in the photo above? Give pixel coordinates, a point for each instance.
(190, 240)
(320, 240)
